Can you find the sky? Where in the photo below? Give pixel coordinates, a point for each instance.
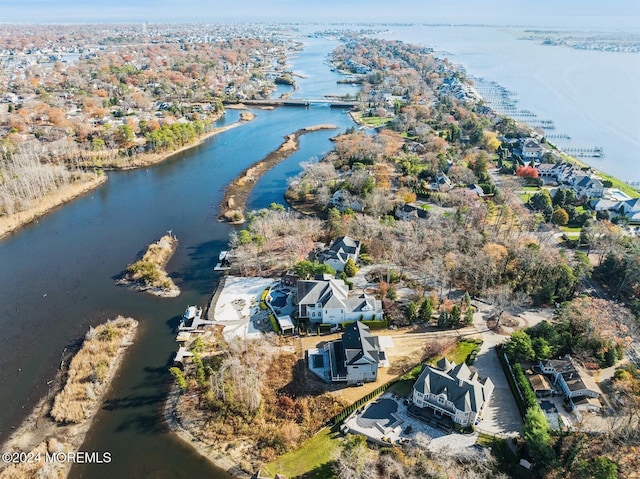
(573, 13)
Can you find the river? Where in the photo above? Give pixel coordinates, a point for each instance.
(57, 275)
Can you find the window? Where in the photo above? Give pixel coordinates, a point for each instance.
(441, 399)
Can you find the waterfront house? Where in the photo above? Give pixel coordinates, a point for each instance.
(453, 391)
(327, 301)
(340, 251)
(587, 186)
(354, 359)
(531, 150)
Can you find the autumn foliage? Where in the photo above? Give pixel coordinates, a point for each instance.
(527, 172)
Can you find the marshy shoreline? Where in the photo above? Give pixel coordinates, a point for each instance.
(40, 435)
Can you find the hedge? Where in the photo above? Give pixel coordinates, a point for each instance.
(376, 324)
(341, 416)
(520, 386)
(274, 324)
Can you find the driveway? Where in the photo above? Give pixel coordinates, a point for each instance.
(501, 416)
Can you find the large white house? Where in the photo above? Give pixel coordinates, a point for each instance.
(327, 301)
(452, 390)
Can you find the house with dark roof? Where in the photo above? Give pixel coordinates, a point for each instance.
(340, 251)
(410, 212)
(354, 359)
(326, 300)
(571, 377)
(587, 186)
(453, 391)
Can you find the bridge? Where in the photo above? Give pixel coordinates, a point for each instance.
(333, 103)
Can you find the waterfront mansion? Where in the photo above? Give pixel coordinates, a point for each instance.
(326, 300)
(452, 391)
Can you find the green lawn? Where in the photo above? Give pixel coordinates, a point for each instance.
(403, 388)
(461, 352)
(531, 188)
(375, 121)
(571, 229)
(524, 196)
(311, 461)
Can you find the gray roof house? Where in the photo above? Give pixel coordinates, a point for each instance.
(409, 212)
(587, 186)
(339, 252)
(353, 359)
(453, 391)
(327, 301)
(572, 378)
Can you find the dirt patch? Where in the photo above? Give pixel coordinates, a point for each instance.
(235, 197)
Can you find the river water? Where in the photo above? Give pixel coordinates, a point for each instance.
(57, 275)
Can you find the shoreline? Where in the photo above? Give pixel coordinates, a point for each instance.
(11, 223)
(46, 204)
(39, 432)
(158, 255)
(217, 456)
(234, 200)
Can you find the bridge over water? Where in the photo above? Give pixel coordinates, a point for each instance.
(298, 102)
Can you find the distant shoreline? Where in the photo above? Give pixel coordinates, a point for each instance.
(46, 204)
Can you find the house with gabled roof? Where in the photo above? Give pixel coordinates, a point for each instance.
(354, 359)
(571, 377)
(326, 300)
(453, 391)
(340, 251)
(531, 149)
(588, 186)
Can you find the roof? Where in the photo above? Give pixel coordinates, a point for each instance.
(346, 244)
(576, 378)
(461, 387)
(330, 293)
(540, 383)
(360, 346)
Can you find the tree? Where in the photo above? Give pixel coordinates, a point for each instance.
(178, 377)
(443, 319)
(350, 268)
(519, 347)
(412, 312)
(560, 217)
(454, 318)
(426, 310)
(468, 316)
(537, 437)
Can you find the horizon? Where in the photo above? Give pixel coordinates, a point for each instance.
(623, 15)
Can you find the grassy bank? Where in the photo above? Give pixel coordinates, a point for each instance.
(42, 206)
(60, 426)
(235, 196)
(148, 273)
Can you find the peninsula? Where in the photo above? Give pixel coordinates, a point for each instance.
(60, 422)
(235, 197)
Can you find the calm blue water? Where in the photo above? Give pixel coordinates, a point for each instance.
(57, 275)
(590, 95)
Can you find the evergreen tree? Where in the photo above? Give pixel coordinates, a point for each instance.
(426, 310)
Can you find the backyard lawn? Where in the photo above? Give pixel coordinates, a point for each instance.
(313, 459)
